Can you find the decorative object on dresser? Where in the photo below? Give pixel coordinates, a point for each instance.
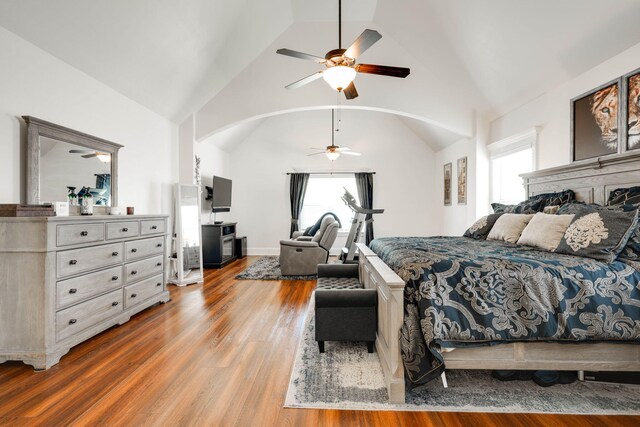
(219, 244)
(66, 279)
(55, 170)
(18, 210)
(186, 242)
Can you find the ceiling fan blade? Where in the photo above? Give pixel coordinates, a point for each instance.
(304, 81)
(383, 70)
(88, 156)
(315, 154)
(350, 91)
(301, 55)
(343, 149)
(81, 151)
(350, 153)
(318, 149)
(362, 43)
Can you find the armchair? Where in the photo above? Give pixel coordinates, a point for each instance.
(301, 257)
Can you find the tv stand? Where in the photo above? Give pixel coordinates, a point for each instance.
(218, 244)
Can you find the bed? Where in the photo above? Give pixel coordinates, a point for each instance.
(545, 317)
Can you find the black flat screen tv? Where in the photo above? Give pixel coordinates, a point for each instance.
(221, 197)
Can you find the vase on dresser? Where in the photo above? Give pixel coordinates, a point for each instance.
(65, 279)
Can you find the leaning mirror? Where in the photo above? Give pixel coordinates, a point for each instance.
(186, 260)
(62, 161)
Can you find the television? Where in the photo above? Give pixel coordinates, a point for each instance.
(221, 194)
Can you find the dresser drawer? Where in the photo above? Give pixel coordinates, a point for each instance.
(143, 248)
(80, 288)
(141, 269)
(141, 291)
(74, 234)
(78, 261)
(152, 226)
(89, 313)
(122, 229)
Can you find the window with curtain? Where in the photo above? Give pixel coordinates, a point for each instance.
(324, 194)
(507, 160)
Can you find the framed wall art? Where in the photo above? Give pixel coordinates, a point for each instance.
(462, 181)
(447, 184)
(595, 121)
(631, 92)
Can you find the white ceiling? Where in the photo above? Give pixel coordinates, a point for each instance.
(175, 56)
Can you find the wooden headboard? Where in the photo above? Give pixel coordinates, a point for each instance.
(592, 180)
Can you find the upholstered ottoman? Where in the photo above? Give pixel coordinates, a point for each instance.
(344, 310)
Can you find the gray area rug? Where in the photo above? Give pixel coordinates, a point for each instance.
(347, 377)
(268, 268)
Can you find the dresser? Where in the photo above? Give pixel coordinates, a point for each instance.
(65, 279)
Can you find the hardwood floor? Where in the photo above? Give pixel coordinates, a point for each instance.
(218, 354)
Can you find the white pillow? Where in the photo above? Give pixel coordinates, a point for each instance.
(545, 231)
(509, 227)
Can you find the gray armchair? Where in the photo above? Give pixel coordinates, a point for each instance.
(301, 256)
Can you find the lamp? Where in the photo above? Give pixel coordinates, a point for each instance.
(104, 158)
(339, 77)
(332, 155)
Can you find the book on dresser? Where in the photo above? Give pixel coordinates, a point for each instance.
(65, 279)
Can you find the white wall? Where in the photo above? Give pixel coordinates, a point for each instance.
(32, 82)
(551, 111)
(403, 184)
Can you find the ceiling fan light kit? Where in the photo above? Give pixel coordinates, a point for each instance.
(339, 77)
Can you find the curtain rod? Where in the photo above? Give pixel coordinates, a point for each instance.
(332, 173)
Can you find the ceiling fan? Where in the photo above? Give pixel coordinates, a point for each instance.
(341, 63)
(88, 154)
(333, 151)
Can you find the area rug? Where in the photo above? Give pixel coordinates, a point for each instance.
(347, 377)
(268, 268)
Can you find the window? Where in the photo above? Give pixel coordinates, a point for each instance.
(508, 159)
(324, 194)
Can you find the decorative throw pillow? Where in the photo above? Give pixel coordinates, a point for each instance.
(555, 199)
(545, 231)
(598, 232)
(624, 196)
(509, 227)
(551, 209)
(481, 228)
(526, 207)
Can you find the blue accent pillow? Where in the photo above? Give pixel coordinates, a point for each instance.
(526, 207)
(481, 228)
(555, 199)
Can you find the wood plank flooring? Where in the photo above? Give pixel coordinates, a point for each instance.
(217, 354)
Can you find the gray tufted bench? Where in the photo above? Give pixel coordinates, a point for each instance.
(345, 311)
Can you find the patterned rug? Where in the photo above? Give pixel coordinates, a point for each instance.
(347, 377)
(268, 268)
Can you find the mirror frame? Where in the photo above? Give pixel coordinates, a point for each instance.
(37, 128)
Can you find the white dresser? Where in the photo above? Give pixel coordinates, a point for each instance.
(66, 279)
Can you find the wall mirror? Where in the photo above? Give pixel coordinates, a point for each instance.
(186, 259)
(59, 158)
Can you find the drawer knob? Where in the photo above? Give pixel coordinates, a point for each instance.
(158, 284)
(72, 321)
(159, 245)
(114, 253)
(124, 230)
(158, 264)
(154, 227)
(73, 291)
(134, 295)
(134, 271)
(84, 233)
(73, 262)
(115, 303)
(134, 250)
(114, 278)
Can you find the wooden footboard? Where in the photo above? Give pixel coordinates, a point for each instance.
(375, 274)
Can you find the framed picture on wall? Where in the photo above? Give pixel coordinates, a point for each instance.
(462, 181)
(595, 119)
(631, 85)
(447, 183)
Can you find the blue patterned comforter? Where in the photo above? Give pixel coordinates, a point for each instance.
(463, 292)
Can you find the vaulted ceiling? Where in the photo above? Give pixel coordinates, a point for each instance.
(215, 57)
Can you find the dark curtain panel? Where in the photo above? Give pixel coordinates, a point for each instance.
(364, 181)
(297, 188)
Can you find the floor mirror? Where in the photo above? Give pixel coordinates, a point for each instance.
(186, 258)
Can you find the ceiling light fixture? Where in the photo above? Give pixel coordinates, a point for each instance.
(104, 158)
(332, 154)
(339, 77)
